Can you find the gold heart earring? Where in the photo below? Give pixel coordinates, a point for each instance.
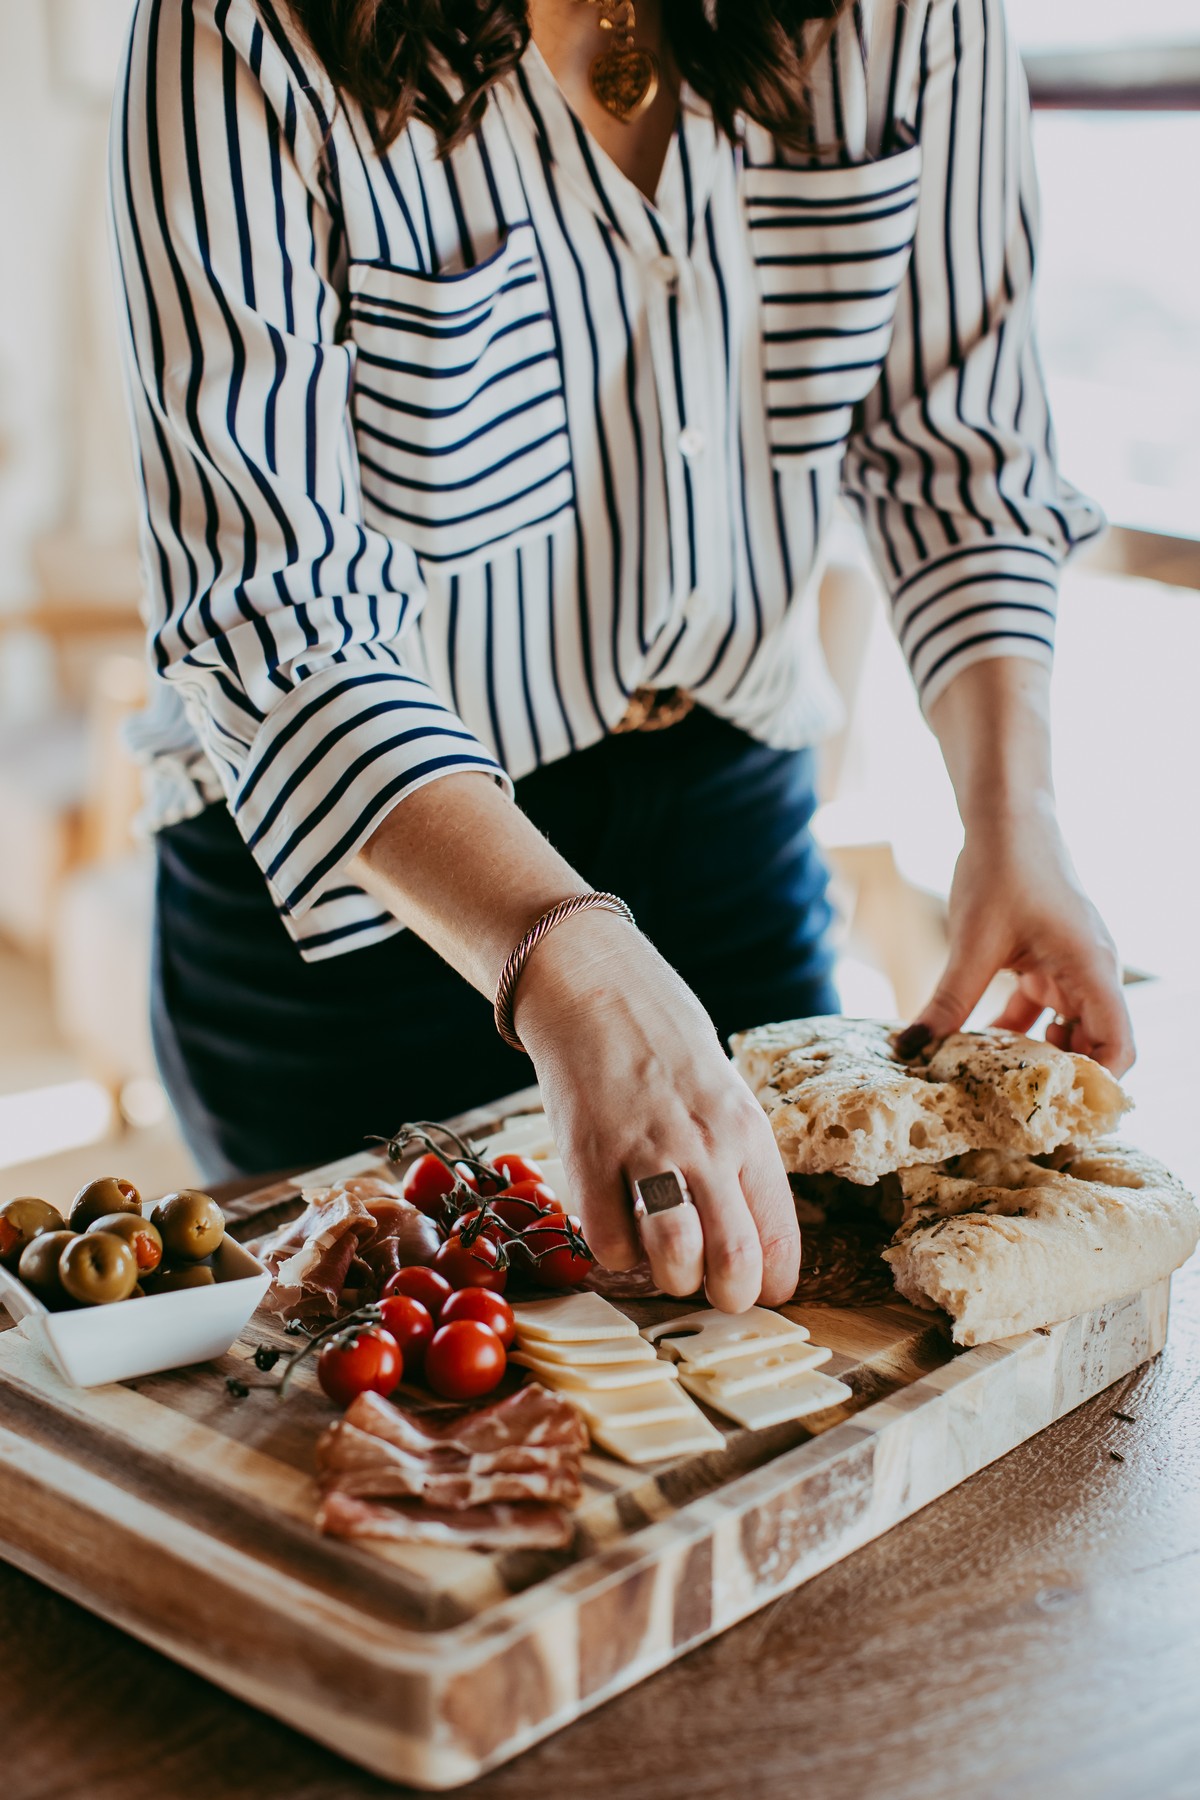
(624, 77)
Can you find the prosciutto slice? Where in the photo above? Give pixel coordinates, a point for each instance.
(339, 1253)
(524, 1526)
(493, 1477)
(531, 1416)
(353, 1462)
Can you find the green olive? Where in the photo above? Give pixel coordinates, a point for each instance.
(168, 1281)
(98, 1268)
(139, 1233)
(110, 1194)
(191, 1224)
(38, 1267)
(22, 1220)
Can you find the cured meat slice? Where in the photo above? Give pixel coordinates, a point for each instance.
(340, 1252)
(345, 1445)
(310, 1280)
(282, 1242)
(531, 1416)
(637, 1283)
(523, 1525)
(352, 1462)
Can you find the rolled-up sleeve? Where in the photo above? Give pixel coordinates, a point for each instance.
(279, 617)
(952, 465)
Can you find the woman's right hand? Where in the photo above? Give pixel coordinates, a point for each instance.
(634, 1081)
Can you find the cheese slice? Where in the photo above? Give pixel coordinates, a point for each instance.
(612, 1375)
(655, 1443)
(705, 1338)
(808, 1392)
(574, 1318)
(650, 1405)
(767, 1370)
(555, 1177)
(524, 1134)
(593, 1354)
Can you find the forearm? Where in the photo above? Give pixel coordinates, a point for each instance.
(464, 867)
(993, 725)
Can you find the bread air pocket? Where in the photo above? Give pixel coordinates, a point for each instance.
(459, 413)
(831, 246)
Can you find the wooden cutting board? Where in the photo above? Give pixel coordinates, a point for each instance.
(185, 1516)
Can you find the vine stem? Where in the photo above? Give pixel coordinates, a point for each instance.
(348, 1323)
(419, 1131)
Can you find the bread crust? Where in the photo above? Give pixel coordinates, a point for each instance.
(1005, 1244)
(842, 1101)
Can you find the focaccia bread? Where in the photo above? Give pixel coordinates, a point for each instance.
(1004, 1244)
(841, 1101)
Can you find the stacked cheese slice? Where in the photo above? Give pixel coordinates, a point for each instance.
(756, 1367)
(596, 1358)
(528, 1134)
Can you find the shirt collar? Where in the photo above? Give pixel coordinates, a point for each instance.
(536, 107)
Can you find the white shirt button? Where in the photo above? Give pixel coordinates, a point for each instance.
(666, 270)
(691, 441)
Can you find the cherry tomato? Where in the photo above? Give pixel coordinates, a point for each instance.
(411, 1324)
(517, 1168)
(426, 1184)
(490, 1228)
(359, 1362)
(425, 1285)
(487, 1308)
(555, 1263)
(478, 1184)
(522, 1203)
(471, 1265)
(464, 1360)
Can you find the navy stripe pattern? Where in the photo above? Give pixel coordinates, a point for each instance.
(442, 457)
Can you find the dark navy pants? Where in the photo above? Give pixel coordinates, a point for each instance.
(272, 1062)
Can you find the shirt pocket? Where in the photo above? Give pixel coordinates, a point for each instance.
(831, 247)
(459, 412)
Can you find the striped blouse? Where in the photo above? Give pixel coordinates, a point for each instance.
(441, 458)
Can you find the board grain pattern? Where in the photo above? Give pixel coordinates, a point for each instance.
(185, 1517)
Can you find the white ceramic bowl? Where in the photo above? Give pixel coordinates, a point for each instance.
(139, 1337)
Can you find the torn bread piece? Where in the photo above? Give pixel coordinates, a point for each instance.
(842, 1101)
(1006, 1245)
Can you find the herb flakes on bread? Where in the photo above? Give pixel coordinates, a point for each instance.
(1005, 1245)
(841, 1100)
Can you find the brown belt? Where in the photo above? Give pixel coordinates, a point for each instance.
(654, 709)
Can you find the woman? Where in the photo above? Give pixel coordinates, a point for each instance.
(494, 371)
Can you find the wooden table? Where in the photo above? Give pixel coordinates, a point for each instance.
(1034, 1635)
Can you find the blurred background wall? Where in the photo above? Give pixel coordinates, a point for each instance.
(1117, 90)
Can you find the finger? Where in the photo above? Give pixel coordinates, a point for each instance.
(674, 1246)
(769, 1198)
(1103, 1029)
(1021, 1014)
(606, 1214)
(970, 967)
(733, 1264)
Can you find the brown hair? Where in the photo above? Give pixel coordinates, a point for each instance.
(393, 57)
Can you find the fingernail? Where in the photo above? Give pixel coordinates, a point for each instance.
(912, 1041)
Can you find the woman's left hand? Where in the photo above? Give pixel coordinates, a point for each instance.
(1016, 903)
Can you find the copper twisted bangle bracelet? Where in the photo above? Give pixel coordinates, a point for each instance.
(510, 974)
